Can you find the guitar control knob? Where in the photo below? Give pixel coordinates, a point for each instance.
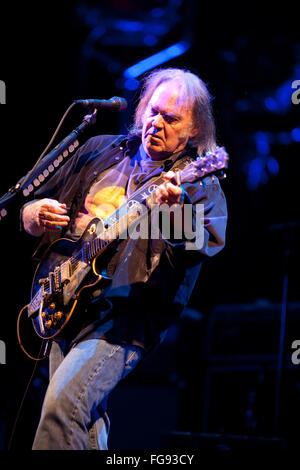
(52, 306)
(48, 324)
(44, 315)
(58, 315)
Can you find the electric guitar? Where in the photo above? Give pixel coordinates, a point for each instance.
(68, 268)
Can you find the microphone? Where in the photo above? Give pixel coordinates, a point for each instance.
(115, 103)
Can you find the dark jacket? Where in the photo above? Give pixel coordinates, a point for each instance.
(152, 280)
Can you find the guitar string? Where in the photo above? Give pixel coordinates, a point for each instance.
(74, 260)
(91, 247)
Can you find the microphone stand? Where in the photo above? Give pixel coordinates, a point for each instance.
(46, 166)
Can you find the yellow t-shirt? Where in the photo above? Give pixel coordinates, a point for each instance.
(113, 187)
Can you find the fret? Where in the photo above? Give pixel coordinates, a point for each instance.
(88, 252)
(94, 247)
(85, 255)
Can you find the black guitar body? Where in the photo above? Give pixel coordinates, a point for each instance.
(66, 273)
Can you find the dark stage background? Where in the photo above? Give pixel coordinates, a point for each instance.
(213, 382)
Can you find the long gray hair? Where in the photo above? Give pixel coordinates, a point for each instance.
(195, 94)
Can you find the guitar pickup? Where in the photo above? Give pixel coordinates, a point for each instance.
(65, 272)
(57, 279)
(51, 283)
(54, 281)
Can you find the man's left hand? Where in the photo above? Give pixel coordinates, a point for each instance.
(168, 193)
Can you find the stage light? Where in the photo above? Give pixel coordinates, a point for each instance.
(156, 59)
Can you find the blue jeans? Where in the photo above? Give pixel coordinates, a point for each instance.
(74, 415)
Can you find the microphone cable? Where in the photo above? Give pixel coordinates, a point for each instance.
(23, 399)
(23, 182)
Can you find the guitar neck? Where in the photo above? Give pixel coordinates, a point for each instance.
(139, 202)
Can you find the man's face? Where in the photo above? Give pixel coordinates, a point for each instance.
(167, 122)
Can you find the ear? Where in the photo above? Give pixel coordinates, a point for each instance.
(193, 132)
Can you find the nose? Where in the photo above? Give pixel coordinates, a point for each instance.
(157, 121)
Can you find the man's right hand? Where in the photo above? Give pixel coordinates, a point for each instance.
(44, 215)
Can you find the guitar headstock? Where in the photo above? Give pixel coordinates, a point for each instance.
(204, 165)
